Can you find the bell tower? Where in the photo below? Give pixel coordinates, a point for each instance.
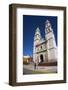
(51, 43)
(37, 39)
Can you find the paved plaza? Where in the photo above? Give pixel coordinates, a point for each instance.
(29, 69)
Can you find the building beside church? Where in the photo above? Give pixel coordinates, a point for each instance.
(45, 50)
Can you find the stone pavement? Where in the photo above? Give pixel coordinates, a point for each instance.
(41, 68)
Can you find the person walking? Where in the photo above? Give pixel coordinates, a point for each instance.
(34, 65)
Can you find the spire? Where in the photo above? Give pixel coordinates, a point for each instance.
(37, 31)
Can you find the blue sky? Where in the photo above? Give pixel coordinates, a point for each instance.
(30, 23)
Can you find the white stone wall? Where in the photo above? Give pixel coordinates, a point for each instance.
(51, 47)
(49, 35)
(52, 55)
(51, 43)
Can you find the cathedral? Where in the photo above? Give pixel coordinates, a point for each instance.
(45, 49)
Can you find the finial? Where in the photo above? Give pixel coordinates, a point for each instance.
(37, 30)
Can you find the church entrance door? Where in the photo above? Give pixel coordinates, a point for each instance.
(41, 58)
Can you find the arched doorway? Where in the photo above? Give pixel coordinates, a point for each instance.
(41, 58)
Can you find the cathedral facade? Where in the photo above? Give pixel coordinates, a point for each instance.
(45, 50)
